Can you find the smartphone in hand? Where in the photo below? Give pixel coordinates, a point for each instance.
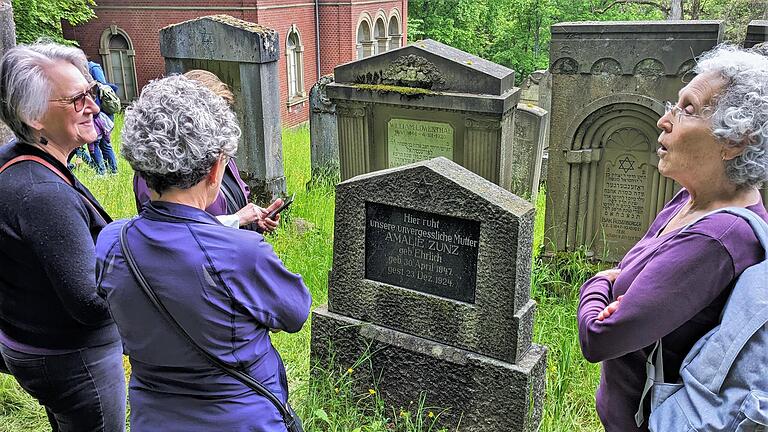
(286, 203)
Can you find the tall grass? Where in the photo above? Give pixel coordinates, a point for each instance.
(305, 244)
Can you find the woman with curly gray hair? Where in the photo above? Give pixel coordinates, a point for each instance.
(673, 284)
(56, 335)
(225, 287)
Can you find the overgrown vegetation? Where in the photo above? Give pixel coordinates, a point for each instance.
(305, 244)
(515, 33)
(42, 18)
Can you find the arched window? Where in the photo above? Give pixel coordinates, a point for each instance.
(118, 59)
(395, 35)
(380, 33)
(364, 42)
(294, 63)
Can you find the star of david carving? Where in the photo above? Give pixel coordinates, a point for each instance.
(206, 39)
(627, 164)
(422, 188)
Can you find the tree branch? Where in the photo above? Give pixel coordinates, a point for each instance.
(660, 7)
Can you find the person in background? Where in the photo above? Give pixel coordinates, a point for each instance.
(225, 287)
(231, 204)
(101, 150)
(56, 334)
(673, 284)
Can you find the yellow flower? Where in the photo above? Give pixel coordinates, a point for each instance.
(336, 389)
(350, 370)
(402, 413)
(372, 391)
(430, 414)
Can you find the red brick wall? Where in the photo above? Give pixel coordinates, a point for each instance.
(338, 27)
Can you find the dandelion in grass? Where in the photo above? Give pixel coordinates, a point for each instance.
(336, 389)
(371, 392)
(350, 370)
(430, 414)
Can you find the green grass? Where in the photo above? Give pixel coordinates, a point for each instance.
(305, 244)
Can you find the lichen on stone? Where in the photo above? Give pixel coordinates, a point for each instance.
(409, 71)
(409, 92)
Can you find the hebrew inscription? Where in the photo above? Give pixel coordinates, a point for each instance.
(426, 252)
(411, 141)
(624, 198)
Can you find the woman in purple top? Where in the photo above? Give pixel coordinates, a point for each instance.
(672, 285)
(225, 286)
(231, 204)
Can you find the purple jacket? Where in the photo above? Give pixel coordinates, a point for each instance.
(227, 288)
(217, 208)
(675, 287)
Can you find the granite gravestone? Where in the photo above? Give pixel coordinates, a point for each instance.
(244, 56)
(609, 84)
(757, 32)
(431, 277)
(323, 133)
(427, 100)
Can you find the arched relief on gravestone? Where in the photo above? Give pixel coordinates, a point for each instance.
(649, 68)
(606, 66)
(686, 67)
(565, 66)
(615, 187)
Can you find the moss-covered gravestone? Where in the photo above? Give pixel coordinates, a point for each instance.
(431, 279)
(427, 100)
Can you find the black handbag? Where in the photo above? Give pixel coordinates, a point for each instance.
(291, 419)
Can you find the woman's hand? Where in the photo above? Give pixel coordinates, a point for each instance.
(249, 214)
(610, 309)
(610, 274)
(266, 224)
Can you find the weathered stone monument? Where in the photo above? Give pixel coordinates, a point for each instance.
(530, 139)
(757, 32)
(243, 55)
(431, 278)
(608, 87)
(427, 100)
(7, 41)
(323, 132)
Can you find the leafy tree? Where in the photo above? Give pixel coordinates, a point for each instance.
(42, 18)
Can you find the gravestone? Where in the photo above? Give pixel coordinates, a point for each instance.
(757, 32)
(323, 133)
(609, 81)
(422, 101)
(244, 56)
(7, 41)
(530, 138)
(431, 277)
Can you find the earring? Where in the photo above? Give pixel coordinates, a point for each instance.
(43, 140)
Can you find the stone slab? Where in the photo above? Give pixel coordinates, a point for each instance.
(473, 391)
(757, 32)
(323, 131)
(498, 321)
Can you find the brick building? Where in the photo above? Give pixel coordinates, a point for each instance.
(124, 38)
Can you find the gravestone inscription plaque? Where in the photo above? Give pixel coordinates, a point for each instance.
(623, 197)
(431, 286)
(426, 252)
(410, 141)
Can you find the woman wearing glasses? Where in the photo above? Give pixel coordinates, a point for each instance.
(673, 284)
(56, 334)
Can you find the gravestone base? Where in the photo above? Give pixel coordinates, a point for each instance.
(478, 393)
(264, 192)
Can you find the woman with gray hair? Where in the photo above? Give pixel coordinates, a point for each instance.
(673, 284)
(224, 287)
(56, 335)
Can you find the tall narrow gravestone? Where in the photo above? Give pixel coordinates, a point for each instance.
(431, 278)
(609, 84)
(243, 55)
(323, 134)
(427, 100)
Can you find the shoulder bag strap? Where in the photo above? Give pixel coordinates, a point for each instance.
(56, 171)
(244, 378)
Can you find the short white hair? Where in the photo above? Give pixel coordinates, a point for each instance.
(740, 111)
(25, 86)
(175, 131)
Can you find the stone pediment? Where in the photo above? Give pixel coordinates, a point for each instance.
(221, 38)
(429, 65)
